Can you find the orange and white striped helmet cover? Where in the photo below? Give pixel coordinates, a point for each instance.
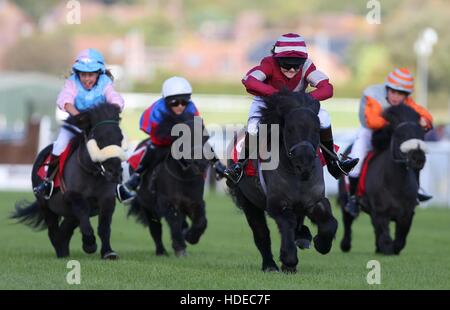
(400, 79)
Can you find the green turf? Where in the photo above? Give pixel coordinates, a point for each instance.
(225, 258)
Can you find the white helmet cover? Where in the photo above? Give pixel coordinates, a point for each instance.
(176, 86)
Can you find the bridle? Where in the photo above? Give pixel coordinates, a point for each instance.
(401, 159)
(184, 167)
(94, 168)
(290, 151)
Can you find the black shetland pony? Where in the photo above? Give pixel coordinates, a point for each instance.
(295, 189)
(90, 176)
(392, 180)
(174, 191)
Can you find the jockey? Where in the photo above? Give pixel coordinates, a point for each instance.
(90, 84)
(396, 90)
(176, 99)
(289, 67)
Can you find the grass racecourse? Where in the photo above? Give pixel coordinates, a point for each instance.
(225, 258)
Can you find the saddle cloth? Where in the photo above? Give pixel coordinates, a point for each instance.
(42, 171)
(361, 189)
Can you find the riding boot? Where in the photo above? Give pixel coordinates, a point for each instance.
(45, 189)
(421, 194)
(125, 192)
(352, 206)
(235, 172)
(335, 166)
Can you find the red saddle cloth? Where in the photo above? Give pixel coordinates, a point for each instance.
(42, 171)
(250, 169)
(361, 189)
(135, 159)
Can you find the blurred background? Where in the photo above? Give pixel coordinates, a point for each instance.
(213, 44)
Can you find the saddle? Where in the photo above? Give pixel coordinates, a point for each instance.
(57, 179)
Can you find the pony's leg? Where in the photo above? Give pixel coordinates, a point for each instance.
(66, 229)
(346, 242)
(80, 209)
(175, 219)
(52, 219)
(383, 240)
(287, 223)
(261, 235)
(106, 211)
(401, 231)
(199, 223)
(155, 228)
(303, 235)
(321, 215)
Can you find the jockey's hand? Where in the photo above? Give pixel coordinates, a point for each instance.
(425, 124)
(219, 168)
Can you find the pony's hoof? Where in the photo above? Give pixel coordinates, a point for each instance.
(111, 256)
(288, 269)
(62, 253)
(303, 244)
(323, 247)
(162, 252)
(345, 246)
(181, 253)
(90, 248)
(271, 269)
(65, 255)
(191, 239)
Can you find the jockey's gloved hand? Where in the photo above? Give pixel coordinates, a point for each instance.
(219, 168)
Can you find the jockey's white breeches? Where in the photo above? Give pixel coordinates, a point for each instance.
(254, 116)
(361, 146)
(63, 139)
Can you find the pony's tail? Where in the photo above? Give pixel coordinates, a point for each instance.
(138, 212)
(30, 214)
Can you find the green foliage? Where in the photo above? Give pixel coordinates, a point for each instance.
(43, 53)
(36, 8)
(370, 63)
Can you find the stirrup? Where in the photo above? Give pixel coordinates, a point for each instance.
(123, 194)
(232, 175)
(43, 190)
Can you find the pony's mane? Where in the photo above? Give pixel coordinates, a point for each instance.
(164, 129)
(399, 114)
(395, 115)
(280, 103)
(85, 120)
